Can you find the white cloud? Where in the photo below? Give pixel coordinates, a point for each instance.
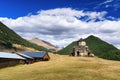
(105, 2)
(61, 26)
(112, 4)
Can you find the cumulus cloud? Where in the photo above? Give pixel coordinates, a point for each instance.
(61, 26)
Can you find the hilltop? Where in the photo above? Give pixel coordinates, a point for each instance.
(10, 41)
(63, 67)
(99, 47)
(45, 44)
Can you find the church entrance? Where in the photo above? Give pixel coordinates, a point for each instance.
(78, 53)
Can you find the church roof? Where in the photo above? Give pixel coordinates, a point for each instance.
(80, 40)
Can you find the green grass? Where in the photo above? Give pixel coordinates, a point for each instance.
(65, 68)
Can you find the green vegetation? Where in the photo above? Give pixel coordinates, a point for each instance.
(65, 68)
(98, 47)
(8, 37)
(68, 49)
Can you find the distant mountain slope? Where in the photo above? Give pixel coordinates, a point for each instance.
(44, 44)
(8, 38)
(98, 47)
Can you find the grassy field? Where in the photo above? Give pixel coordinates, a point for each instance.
(65, 68)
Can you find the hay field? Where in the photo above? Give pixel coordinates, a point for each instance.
(64, 68)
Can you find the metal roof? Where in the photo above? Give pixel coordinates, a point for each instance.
(10, 55)
(26, 56)
(35, 54)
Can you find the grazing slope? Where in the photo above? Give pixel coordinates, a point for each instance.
(98, 47)
(8, 37)
(44, 44)
(62, 67)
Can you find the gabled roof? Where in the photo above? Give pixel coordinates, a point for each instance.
(10, 55)
(23, 55)
(35, 54)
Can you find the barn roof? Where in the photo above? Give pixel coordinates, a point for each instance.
(10, 55)
(35, 54)
(23, 55)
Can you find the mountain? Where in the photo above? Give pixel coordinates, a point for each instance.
(45, 44)
(99, 47)
(9, 40)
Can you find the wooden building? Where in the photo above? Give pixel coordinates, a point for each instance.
(81, 49)
(10, 59)
(38, 56)
(28, 59)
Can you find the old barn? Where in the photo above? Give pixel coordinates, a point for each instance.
(38, 56)
(10, 59)
(28, 59)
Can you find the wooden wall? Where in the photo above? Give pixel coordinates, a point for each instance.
(4, 62)
(46, 57)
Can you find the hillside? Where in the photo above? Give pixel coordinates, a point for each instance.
(8, 38)
(62, 67)
(44, 44)
(99, 47)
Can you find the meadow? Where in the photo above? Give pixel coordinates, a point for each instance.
(64, 67)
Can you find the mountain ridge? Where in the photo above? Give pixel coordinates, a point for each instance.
(44, 43)
(8, 38)
(99, 47)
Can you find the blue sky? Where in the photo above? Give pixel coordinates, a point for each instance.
(17, 8)
(63, 21)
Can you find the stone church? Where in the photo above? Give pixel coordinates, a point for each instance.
(81, 49)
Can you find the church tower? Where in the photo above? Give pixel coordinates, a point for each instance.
(81, 42)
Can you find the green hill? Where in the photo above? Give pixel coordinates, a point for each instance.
(8, 37)
(99, 47)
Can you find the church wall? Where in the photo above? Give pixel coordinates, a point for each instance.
(81, 49)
